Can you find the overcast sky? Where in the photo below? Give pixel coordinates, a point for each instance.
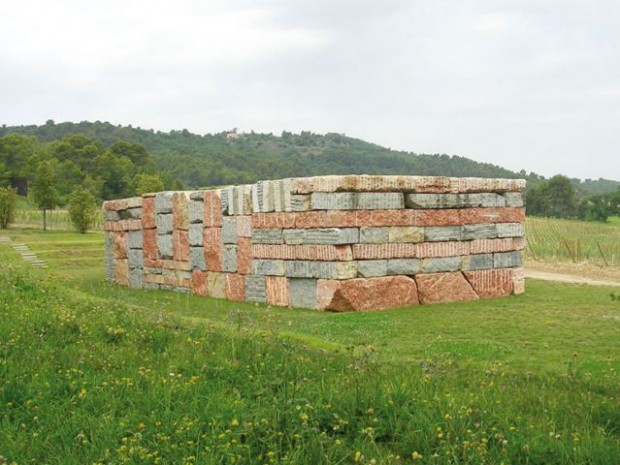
(524, 84)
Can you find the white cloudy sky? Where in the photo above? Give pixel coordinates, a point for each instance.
(525, 84)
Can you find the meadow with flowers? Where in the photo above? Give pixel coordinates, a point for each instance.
(92, 373)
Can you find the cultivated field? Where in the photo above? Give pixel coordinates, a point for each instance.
(100, 374)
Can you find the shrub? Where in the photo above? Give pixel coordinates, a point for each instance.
(82, 206)
(8, 200)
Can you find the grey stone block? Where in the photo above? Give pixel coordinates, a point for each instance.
(269, 267)
(136, 278)
(163, 202)
(197, 258)
(514, 199)
(255, 288)
(134, 240)
(482, 261)
(132, 213)
(482, 199)
(226, 201)
(321, 270)
(423, 201)
(196, 234)
(333, 201)
(478, 231)
(229, 230)
(151, 270)
(197, 195)
(374, 235)
(151, 286)
(135, 258)
(267, 236)
(229, 258)
(510, 230)
(181, 274)
(404, 266)
(303, 292)
(300, 202)
(507, 260)
(111, 216)
(196, 211)
(294, 236)
(406, 234)
(256, 200)
(164, 223)
(372, 268)
(268, 196)
(333, 236)
(442, 233)
(164, 246)
(436, 265)
(380, 201)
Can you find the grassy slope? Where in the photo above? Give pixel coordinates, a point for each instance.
(531, 379)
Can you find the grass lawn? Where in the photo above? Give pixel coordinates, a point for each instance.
(95, 373)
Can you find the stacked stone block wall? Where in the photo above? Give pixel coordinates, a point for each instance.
(332, 242)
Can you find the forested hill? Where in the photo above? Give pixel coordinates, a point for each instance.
(236, 158)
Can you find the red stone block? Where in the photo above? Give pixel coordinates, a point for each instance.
(518, 243)
(149, 244)
(279, 220)
(438, 217)
(442, 249)
(235, 287)
(121, 274)
(277, 291)
(341, 218)
(384, 251)
(307, 220)
(120, 245)
(244, 255)
(444, 287)
(180, 245)
(109, 225)
(491, 215)
(366, 294)
(148, 213)
(478, 246)
(213, 248)
(213, 209)
(374, 218)
(199, 282)
(490, 283)
(180, 213)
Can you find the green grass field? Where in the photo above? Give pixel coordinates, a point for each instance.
(95, 373)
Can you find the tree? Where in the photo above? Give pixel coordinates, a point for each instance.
(146, 183)
(82, 208)
(44, 190)
(8, 200)
(555, 198)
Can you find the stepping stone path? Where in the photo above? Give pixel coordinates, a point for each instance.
(25, 252)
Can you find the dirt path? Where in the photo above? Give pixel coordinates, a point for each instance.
(581, 273)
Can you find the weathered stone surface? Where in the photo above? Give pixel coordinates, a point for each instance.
(134, 240)
(180, 244)
(303, 252)
(134, 258)
(478, 231)
(437, 217)
(488, 185)
(213, 209)
(165, 246)
(199, 282)
(344, 218)
(435, 265)
(131, 213)
(163, 202)
(176, 265)
(303, 292)
(442, 233)
(403, 266)
(442, 249)
(507, 260)
(197, 259)
(378, 251)
(164, 223)
(478, 262)
(197, 195)
(427, 201)
(482, 200)
(149, 244)
(227, 204)
(196, 209)
(120, 245)
(491, 215)
(196, 235)
(277, 291)
(148, 213)
(300, 203)
(244, 255)
(312, 219)
(255, 288)
(267, 236)
(405, 234)
(490, 283)
(136, 278)
(444, 287)
(494, 245)
(372, 268)
(333, 201)
(229, 230)
(367, 294)
(380, 201)
(213, 248)
(331, 236)
(122, 271)
(403, 217)
(510, 230)
(293, 236)
(269, 267)
(514, 199)
(109, 256)
(324, 270)
(374, 235)
(216, 284)
(518, 281)
(176, 273)
(244, 226)
(111, 215)
(229, 258)
(273, 220)
(235, 287)
(372, 183)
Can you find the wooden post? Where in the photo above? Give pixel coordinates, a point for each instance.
(602, 254)
(572, 256)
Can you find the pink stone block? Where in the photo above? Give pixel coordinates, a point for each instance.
(180, 213)
(439, 217)
(384, 251)
(442, 249)
(120, 245)
(377, 218)
(367, 294)
(149, 244)
(490, 283)
(199, 282)
(244, 255)
(235, 287)
(213, 209)
(277, 291)
(312, 219)
(148, 213)
(341, 218)
(180, 245)
(279, 220)
(444, 287)
(213, 248)
(478, 246)
(491, 215)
